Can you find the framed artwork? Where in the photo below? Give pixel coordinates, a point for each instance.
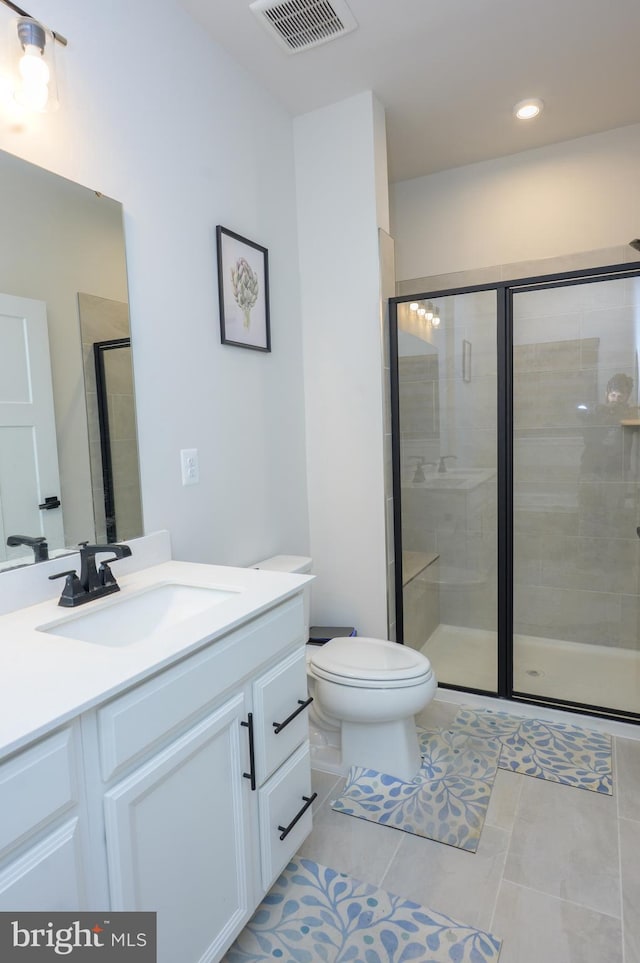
(243, 291)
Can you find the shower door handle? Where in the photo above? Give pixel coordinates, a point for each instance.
(638, 531)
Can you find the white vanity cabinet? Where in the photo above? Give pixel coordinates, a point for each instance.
(282, 762)
(193, 787)
(43, 821)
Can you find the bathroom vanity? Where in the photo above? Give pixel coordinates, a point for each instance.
(168, 773)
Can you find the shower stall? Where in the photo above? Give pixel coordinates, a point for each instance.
(516, 486)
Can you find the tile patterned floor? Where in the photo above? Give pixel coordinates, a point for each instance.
(556, 874)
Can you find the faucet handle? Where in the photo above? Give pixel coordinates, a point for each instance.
(72, 590)
(442, 466)
(106, 575)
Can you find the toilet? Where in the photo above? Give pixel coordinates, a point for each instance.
(366, 694)
(373, 689)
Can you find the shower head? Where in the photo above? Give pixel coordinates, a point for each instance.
(635, 243)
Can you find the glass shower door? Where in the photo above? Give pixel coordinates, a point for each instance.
(447, 413)
(576, 561)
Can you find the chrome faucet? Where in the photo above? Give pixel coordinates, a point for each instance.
(92, 583)
(442, 464)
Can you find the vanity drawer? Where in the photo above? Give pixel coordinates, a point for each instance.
(36, 786)
(285, 810)
(281, 720)
(143, 718)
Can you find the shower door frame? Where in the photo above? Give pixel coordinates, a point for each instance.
(99, 350)
(505, 291)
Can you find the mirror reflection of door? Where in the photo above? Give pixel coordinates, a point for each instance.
(28, 452)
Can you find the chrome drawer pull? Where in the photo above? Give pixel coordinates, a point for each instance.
(307, 802)
(302, 704)
(252, 756)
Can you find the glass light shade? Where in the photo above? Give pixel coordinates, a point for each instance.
(32, 96)
(414, 306)
(435, 321)
(34, 74)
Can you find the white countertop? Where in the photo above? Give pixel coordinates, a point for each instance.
(46, 680)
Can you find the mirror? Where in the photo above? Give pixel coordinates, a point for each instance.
(68, 447)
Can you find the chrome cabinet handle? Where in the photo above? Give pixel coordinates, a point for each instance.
(284, 831)
(302, 704)
(252, 756)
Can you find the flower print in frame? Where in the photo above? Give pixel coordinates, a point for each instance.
(243, 291)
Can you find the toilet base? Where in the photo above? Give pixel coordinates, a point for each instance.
(389, 747)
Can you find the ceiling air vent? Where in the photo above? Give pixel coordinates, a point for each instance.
(300, 24)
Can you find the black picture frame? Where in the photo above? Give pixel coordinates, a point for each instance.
(243, 291)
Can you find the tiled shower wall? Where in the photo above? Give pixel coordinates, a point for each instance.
(576, 556)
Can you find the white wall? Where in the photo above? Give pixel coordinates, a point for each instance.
(580, 195)
(157, 116)
(340, 151)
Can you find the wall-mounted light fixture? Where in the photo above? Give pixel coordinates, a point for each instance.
(29, 75)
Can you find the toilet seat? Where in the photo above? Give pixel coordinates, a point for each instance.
(367, 663)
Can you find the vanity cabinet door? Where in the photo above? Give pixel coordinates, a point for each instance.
(43, 847)
(47, 876)
(179, 838)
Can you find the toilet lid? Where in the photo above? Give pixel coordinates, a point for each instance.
(374, 661)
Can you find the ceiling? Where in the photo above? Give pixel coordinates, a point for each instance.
(448, 72)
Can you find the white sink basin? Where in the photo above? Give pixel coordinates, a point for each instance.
(123, 620)
(445, 482)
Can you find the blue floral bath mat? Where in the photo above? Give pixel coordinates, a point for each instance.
(315, 915)
(448, 799)
(548, 750)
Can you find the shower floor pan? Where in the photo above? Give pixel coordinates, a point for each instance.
(597, 675)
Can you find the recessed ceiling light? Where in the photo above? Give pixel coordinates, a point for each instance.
(528, 109)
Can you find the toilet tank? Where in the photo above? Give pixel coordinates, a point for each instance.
(297, 565)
